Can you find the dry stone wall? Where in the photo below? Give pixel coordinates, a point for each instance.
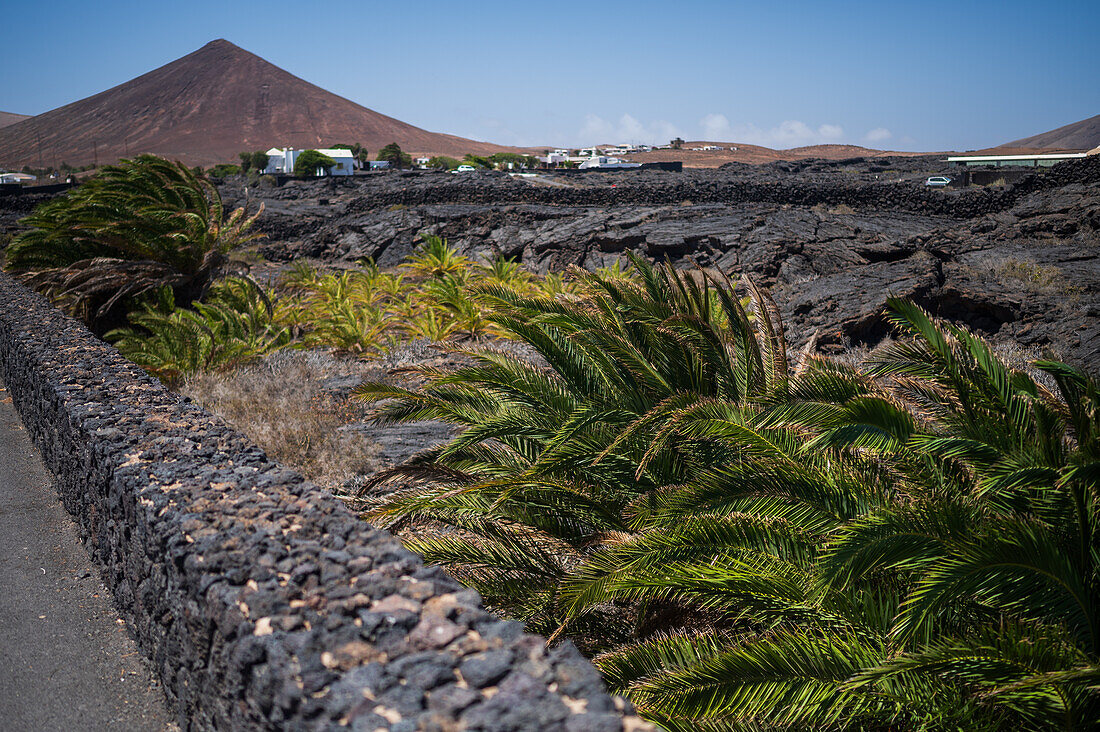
(650, 189)
(260, 600)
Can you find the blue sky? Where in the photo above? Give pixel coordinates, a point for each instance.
(926, 75)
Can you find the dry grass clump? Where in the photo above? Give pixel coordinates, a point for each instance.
(1035, 277)
(280, 403)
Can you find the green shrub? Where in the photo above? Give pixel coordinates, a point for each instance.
(224, 170)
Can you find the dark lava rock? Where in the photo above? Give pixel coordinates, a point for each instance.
(833, 239)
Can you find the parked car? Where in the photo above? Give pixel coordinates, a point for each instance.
(465, 169)
(938, 181)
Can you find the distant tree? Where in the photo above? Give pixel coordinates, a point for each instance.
(502, 159)
(477, 161)
(677, 143)
(259, 161)
(362, 157)
(392, 153)
(309, 161)
(253, 161)
(442, 162)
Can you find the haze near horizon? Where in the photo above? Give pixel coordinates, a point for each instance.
(933, 76)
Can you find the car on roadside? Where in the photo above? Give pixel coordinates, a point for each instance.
(465, 169)
(938, 181)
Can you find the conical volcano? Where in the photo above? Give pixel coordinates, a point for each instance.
(205, 108)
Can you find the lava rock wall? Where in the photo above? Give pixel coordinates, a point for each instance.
(260, 600)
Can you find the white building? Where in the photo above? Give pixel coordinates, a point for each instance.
(8, 178)
(558, 156)
(281, 160)
(602, 161)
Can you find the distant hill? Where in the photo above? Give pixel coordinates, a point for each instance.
(1083, 135)
(733, 152)
(205, 108)
(10, 118)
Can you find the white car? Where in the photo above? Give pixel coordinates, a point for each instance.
(938, 181)
(464, 169)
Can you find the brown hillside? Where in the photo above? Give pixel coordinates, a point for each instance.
(10, 118)
(756, 154)
(1083, 135)
(205, 108)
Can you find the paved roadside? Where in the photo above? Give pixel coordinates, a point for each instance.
(66, 662)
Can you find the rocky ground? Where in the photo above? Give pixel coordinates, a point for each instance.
(832, 239)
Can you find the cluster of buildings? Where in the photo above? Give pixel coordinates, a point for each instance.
(593, 157)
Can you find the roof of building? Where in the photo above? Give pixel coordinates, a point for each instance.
(1040, 156)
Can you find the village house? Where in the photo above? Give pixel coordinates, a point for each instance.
(281, 160)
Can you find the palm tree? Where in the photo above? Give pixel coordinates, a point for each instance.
(136, 227)
(751, 543)
(547, 448)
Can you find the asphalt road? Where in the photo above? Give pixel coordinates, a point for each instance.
(66, 662)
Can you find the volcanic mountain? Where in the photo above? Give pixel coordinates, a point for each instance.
(205, 108)
(10, 118)
(1083, 135)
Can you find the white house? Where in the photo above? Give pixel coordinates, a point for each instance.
(8, 178)
(555, 157)
(281, 160)
(602, 161)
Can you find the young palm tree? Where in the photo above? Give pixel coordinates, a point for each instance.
(235, 325)
(435, 259)
(136, 227)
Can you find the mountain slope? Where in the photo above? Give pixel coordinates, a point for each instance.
(10, 118)
(205, 108)
(1083, 135)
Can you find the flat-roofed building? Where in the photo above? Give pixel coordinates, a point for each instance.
(1015, 161)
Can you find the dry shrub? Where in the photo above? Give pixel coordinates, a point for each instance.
(280, 404)
(1036, 277)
